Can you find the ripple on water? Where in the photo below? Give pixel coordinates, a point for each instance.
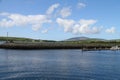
(59, 65)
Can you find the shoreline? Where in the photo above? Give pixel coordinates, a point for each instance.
(36, 46)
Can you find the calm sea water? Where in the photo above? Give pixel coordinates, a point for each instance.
(59, 65)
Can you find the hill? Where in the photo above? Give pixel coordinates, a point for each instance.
(77, 39)
(84, 39)
(14, 39)
(23, 39)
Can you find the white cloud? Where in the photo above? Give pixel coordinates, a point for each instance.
(51, 8)
(44, 31)
(85, 27)
(4, 14)
(36, 27)
(79, 27)
(65, 12)
(87, 22)
(111, 30)
(81, 5)
(67, 24)
(36, 21)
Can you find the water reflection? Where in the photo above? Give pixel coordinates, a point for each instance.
(59, 65)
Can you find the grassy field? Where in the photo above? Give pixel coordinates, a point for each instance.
(26, 43)
(14, 39)
(20, 39)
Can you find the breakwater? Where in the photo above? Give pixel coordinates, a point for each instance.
(54, 45)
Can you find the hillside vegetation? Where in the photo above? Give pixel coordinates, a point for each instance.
(14, 39)
(27, 43)
(23, 39)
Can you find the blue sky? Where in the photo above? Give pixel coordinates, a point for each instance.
(60, 19)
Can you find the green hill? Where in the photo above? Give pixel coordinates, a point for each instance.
(85, 39)
(23, 39)
(14, 39)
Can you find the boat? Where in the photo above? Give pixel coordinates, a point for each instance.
(114, 48)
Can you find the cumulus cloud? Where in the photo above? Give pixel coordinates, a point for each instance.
(52, 8)
(81, 5)
(67, 24)
(110, 30)
(82, 26)
(85, 27)
(65, 12)
(19, 20)
(79, 27)
(44, 31)
(36, 27)
(36, 21)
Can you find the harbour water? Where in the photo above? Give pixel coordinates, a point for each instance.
(59, 65)
(1, 42)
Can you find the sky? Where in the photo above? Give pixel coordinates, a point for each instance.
(60, 19)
